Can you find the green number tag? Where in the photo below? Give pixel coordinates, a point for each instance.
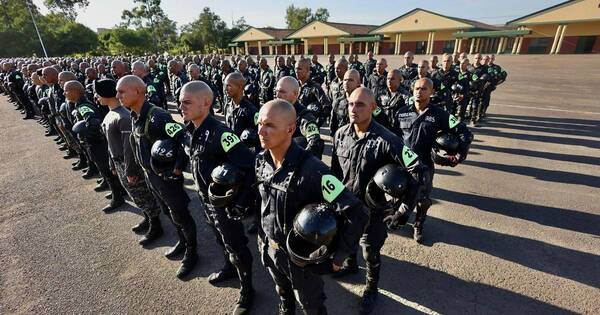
(474, 77)
(311, 130)
(452, 121)
(408, 156)
(331, 187)
(151, 89)
(172, 128)
(377, 111)
(156, 80)
(256, 118)
(442, 86)
(228, 140)
(17, 77)
(84, 110)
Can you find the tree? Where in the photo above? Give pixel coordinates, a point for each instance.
(68, 7)
(297, 17)
(206, 33)
(122, 40)
(150, 16)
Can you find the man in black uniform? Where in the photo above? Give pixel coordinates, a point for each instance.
(211, 145)
(336, 88)
(317, 71)
(155, 92)
(266, 82)
(370, 64)
(150, 124)
(420, 125)
(283, 70)
(359, 150)
(376, 79)
(16, 83)
(393, 99)
(330, 70)
(447, 76)
(311, 93)
(462, 99)
(177, 77)
(307, 131)
(498, 76)
(241, 114)
(478, 84)
(290, 179)
(409, 69)
(94, 141)
(339, 112)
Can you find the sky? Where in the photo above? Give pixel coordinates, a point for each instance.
(107, 13)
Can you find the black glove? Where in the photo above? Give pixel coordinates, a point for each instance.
(236, 212)
(395, 220)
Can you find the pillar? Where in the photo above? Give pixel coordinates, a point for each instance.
(499, 51)
(293, 47)
(271, 50)
(351, 48)
(325, 46)
(259, 48)
(233, 51)
(397, 50)
(376, 48)
(556, 37)
(560, 40)
(472, 49)
(519, 44)
(342, 48)
(430, 42)
(287, 49)
(245, 48)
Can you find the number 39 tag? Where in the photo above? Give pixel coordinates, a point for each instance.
(331, 187)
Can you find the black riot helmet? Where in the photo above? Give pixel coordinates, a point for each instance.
(80, 128)
(249, 137)
(457, 88)
(163, 153)
(312, 236)
(226, 184)
(390, 180)
(447, 142)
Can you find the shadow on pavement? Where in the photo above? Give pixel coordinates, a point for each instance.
(544, 155)
(567, 123)
(539, 138)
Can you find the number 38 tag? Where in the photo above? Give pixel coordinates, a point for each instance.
(331, 187)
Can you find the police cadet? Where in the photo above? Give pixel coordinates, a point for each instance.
(283, 70)
(358, 66)
(360, 149)
(252, 87)
(376, 80)
(312, 95)
(118, 69)
(89, 131)
(266, 81)
(307, 131)
(290, 62)
(177, 78)
(241, 114)
(289, 179)
(336, 87)
(421, 124)
(433, 62)
(497, 77)
(339, 112)
(226, 69)
(446, 76)
(479, 78)
(330, 71)
(155, 93)
(460, 90)
(151, 126)
(117, 130)
(317, 71)
(394, 98)
(409, 69)
(16, 83)
(370, 65)
(223, 171)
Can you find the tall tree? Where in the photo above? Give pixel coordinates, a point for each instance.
(69, 7)
(206, 33)
(149, 15)
(296, 17)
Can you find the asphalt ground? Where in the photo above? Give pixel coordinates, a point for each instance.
(515, 229)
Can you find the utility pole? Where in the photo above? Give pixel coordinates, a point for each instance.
(36, 28)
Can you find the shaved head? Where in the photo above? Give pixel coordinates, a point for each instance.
(74, 90)
(276, 126)
(131, 92)
(236, 78)
(288, 89)
(65, 76)
(196, 98)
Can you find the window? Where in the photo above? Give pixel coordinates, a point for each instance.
(449, 46)
(539, 45)
(421, 48)
(585, 44)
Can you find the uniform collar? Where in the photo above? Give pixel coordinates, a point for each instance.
(292, 156)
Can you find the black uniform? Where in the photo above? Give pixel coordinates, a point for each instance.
(377, 83)
(356, 160)
(301, 180)
(267, 85)
(369, 65)
(497, 76)
(419, 132)
(358, 66)
(317, 73)
(155, 93)
(409, 72)
(390, 103)
(463, 79)
(307, 132)
(208, 146)
(241, 117)
(444, 93)
(314, 98)
(153, 124)
(478, 86)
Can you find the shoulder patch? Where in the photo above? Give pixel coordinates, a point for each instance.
(228, 141)
(156, 80)
(408, 156)
(474, 77)
(17, 77)
(377, 111)
(172, 129)
(84, 110)
(311, 130)
(452, 121)
(256, 118)
(151, 89)
(331, 187)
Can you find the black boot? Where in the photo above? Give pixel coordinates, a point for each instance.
(244, 302)
(103, 186)
(108, 196)
(370, 293)
(91, 171)
(114, 204)
(418, 226)
(142, 226)
(227, 272)
(117, 199)
(81, 164)
(63, 147)
(190, 258)
(154, 232)
(176, 251)
(350, 267)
